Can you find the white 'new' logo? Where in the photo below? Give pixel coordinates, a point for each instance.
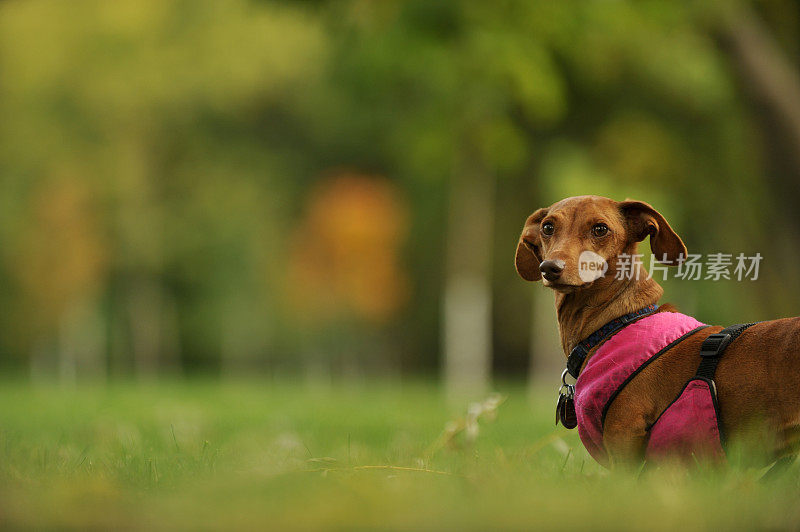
(591, 266)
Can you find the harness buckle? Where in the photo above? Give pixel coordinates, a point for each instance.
(715, 344)
(575, 360)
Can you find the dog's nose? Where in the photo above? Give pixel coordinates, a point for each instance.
(551, 269)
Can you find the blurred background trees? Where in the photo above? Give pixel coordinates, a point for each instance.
(336, 188)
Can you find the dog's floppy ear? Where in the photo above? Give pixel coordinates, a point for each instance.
(643, 220)
(528, 256)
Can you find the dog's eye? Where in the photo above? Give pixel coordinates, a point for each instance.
(599, 230)
(548, 228)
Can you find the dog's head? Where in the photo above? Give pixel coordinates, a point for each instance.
(578, 240)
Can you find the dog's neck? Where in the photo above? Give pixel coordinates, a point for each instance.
(583, 312)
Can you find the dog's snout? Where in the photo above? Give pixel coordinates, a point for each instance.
(551, 269)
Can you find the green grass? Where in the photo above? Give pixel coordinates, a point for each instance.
(200, 455)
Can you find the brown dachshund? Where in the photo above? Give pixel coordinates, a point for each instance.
(758, 378)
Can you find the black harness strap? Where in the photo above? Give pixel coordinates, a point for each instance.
(712, 348)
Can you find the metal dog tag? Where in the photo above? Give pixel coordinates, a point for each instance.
(559, 406)
(567, 414)
(565, 406)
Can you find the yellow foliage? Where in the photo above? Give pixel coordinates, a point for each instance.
(62, 257)
(345, 252)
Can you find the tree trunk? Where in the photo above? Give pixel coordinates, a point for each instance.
(546, 357)
(773, 84)
(82, 343)
(467, 338)
(771, 81)
(153, 329)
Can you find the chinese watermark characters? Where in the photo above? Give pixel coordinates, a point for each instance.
(716, 266)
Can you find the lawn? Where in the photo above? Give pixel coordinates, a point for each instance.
(204, 455)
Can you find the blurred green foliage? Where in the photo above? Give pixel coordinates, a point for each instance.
(157, 160)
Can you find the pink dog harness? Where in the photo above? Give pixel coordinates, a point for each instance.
(689, 427)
